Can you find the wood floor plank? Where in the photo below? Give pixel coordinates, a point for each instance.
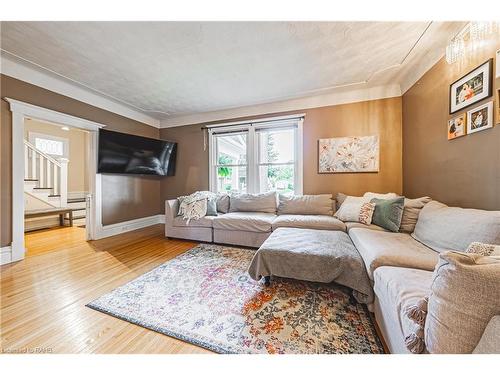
(43, 297)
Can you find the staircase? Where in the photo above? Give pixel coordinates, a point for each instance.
(45, 179)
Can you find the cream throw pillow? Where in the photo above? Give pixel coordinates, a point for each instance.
(356, 209)
(465, 295)
(411, 211)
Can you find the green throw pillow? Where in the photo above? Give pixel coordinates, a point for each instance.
(388, 213)
(212, 207)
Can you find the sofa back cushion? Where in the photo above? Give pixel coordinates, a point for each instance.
(265, 202)
(370, 195)
(321, 204)
(223, 203)
(463, 299)
(411, 211)
(452, 228)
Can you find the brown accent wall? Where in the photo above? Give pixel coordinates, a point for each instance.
(123, 197)
(382, 117)
(461, 172)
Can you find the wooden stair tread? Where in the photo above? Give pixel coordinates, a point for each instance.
(76, 200)
(47, 211)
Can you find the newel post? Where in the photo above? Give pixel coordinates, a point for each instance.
(64, 182)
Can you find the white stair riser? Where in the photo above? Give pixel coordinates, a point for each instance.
(77, 204)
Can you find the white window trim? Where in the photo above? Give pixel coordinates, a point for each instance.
(33, 135)
(252, 157)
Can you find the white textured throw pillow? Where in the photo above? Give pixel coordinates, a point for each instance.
(483, 249)
(369, 195)
(356, 209)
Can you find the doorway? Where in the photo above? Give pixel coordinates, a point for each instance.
(56, 183)
(21, 164)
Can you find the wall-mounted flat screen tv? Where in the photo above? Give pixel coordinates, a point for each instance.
(131, 154)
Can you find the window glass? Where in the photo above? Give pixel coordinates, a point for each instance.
(231, 159)
(50, 146)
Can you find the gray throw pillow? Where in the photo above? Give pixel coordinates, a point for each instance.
(388, 213)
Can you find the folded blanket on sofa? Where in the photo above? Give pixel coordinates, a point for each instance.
(194, 206)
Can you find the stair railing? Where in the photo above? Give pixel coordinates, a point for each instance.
(48, 171)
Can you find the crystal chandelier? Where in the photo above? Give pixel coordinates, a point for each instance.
(469, 39)
(455, 50)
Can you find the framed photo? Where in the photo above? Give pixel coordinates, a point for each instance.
(472, 87)
(498, 106)
(456, 126)
(348, 154)
(480, 118)
(498, 65)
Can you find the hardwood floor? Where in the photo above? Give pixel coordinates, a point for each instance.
(43, 297)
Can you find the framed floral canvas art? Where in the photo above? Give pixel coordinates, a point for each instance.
(348, 154)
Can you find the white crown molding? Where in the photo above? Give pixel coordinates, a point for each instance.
(24, 71)
(344, 97)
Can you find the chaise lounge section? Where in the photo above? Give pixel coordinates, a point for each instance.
(399, 265)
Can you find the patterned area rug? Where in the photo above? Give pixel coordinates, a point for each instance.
(206, 297)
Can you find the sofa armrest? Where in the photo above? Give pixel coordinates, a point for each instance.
(171, 209)
(490, 340)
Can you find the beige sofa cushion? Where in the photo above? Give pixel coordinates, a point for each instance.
(265, 202)
(411, 211)
(465, 296)
(321, 204)
(353, 224)
(204, 222)
(398, 288)
(245, 221)
(452, 228)
(380, 248)
(308, 222)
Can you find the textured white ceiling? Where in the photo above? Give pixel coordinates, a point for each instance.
(169, 69)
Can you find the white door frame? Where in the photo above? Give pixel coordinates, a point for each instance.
(20, 112)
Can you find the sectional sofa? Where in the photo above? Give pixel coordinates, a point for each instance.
(400, 265)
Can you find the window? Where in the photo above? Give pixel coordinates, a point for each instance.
(257, 157)
(231, 162)
(49, 144)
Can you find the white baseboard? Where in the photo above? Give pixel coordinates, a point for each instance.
(127, 226)
(5, 255)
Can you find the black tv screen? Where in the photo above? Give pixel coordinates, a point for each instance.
(131, 154)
